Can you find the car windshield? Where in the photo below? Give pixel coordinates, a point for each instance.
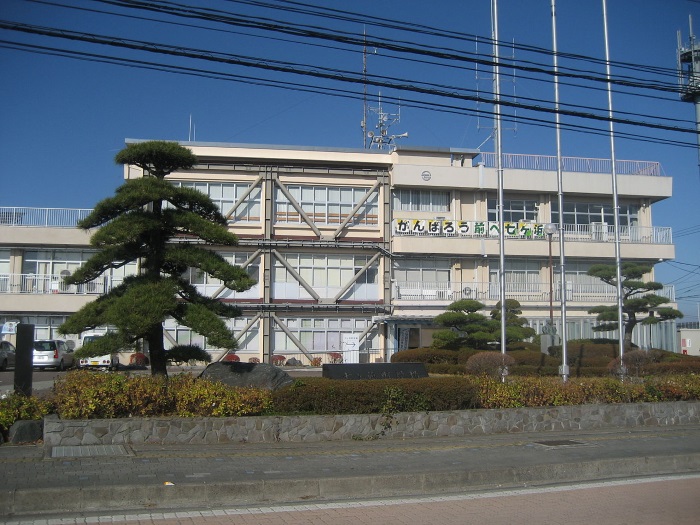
(90, 338)
(45, 346)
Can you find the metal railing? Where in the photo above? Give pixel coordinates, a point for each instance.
(594, 232)
(42, 217)
(28, 283)
(515, 161)
(594, 293)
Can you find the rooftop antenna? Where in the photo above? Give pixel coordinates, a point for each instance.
(193, 131)
(689, 75)
(382, 139)
(364, 87)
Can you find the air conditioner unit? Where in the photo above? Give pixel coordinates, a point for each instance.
(599, 231)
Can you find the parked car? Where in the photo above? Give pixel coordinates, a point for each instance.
(7, 355)
(107, 361)
(53, 353)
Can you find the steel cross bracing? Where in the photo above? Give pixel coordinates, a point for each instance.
(270, 248)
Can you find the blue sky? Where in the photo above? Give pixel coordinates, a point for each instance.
(63, 119)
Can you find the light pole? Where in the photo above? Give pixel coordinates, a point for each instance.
(549, 230)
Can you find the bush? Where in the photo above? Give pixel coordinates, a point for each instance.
(335, 358)
(445, 369)
(16, 407)
(489, 363)
(254, 360)
(85, 395)
(278, 360)
(316, 361)
(138, 359)
(336, 396)
(231, 358)
(203, 398)
(425, 355)
(187, 353)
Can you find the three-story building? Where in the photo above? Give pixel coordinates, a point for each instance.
(356, 251)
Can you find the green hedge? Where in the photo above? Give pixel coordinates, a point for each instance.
(333, 396)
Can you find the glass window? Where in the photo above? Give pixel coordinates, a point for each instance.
(596, 212)
(514, 210)
(327, 205)
(422, 270)
(421, 200)
(225, 195)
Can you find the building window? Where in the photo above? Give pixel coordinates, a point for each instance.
(421, 200)
(225, 195)
(422, 270)
(514, 210)
(327, 274)
(322, 335)
(522, 276)
(327, 205)
(596, 212)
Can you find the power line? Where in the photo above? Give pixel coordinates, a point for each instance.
(452, 92)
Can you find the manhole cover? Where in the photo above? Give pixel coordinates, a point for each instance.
(560, 443)
(85, 451)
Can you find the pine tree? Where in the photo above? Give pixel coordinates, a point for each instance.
(167, 229)
(465, 327)
(639, 304)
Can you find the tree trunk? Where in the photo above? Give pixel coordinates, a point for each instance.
(156, 350)
(629, 327)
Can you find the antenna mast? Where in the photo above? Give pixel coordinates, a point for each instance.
(364, 88)
(382, 139)
(689, 75)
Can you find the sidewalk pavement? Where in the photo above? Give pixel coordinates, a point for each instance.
(40, 480)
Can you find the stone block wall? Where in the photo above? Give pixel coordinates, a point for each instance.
(311, 428)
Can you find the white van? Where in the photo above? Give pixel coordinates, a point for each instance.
(107, 361)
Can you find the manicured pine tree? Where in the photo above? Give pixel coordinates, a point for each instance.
(464, 327)
(167, 229)
(639, 304)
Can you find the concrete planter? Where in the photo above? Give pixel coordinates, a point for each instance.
(202, 431)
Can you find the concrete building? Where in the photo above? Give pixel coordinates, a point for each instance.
(355, 251)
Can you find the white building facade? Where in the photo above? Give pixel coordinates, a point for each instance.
(355, 251)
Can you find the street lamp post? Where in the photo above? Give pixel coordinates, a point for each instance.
(550, 229)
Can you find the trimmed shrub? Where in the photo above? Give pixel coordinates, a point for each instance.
(445, 369)
(316, 361)
(278, 360)
(16, 407)
(138, 359)
(232, 358)
(335, 358)
(489, 363)
(335, 396)
(84, 395)
(203, 398)
(187, 353)
(253, 360)
(425, 355)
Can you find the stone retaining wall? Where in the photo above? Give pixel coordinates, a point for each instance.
(371, 426)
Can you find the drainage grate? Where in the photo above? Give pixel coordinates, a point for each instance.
(560, 443)
(86, 451)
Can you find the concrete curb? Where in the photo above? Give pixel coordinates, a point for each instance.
(26, 502)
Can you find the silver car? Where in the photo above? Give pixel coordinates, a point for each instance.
(7, 355)
(53, 353)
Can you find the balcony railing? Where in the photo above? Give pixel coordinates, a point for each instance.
(594, 293)
(49, 284)
(515, 161)
(594, 232)
(42, 217)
